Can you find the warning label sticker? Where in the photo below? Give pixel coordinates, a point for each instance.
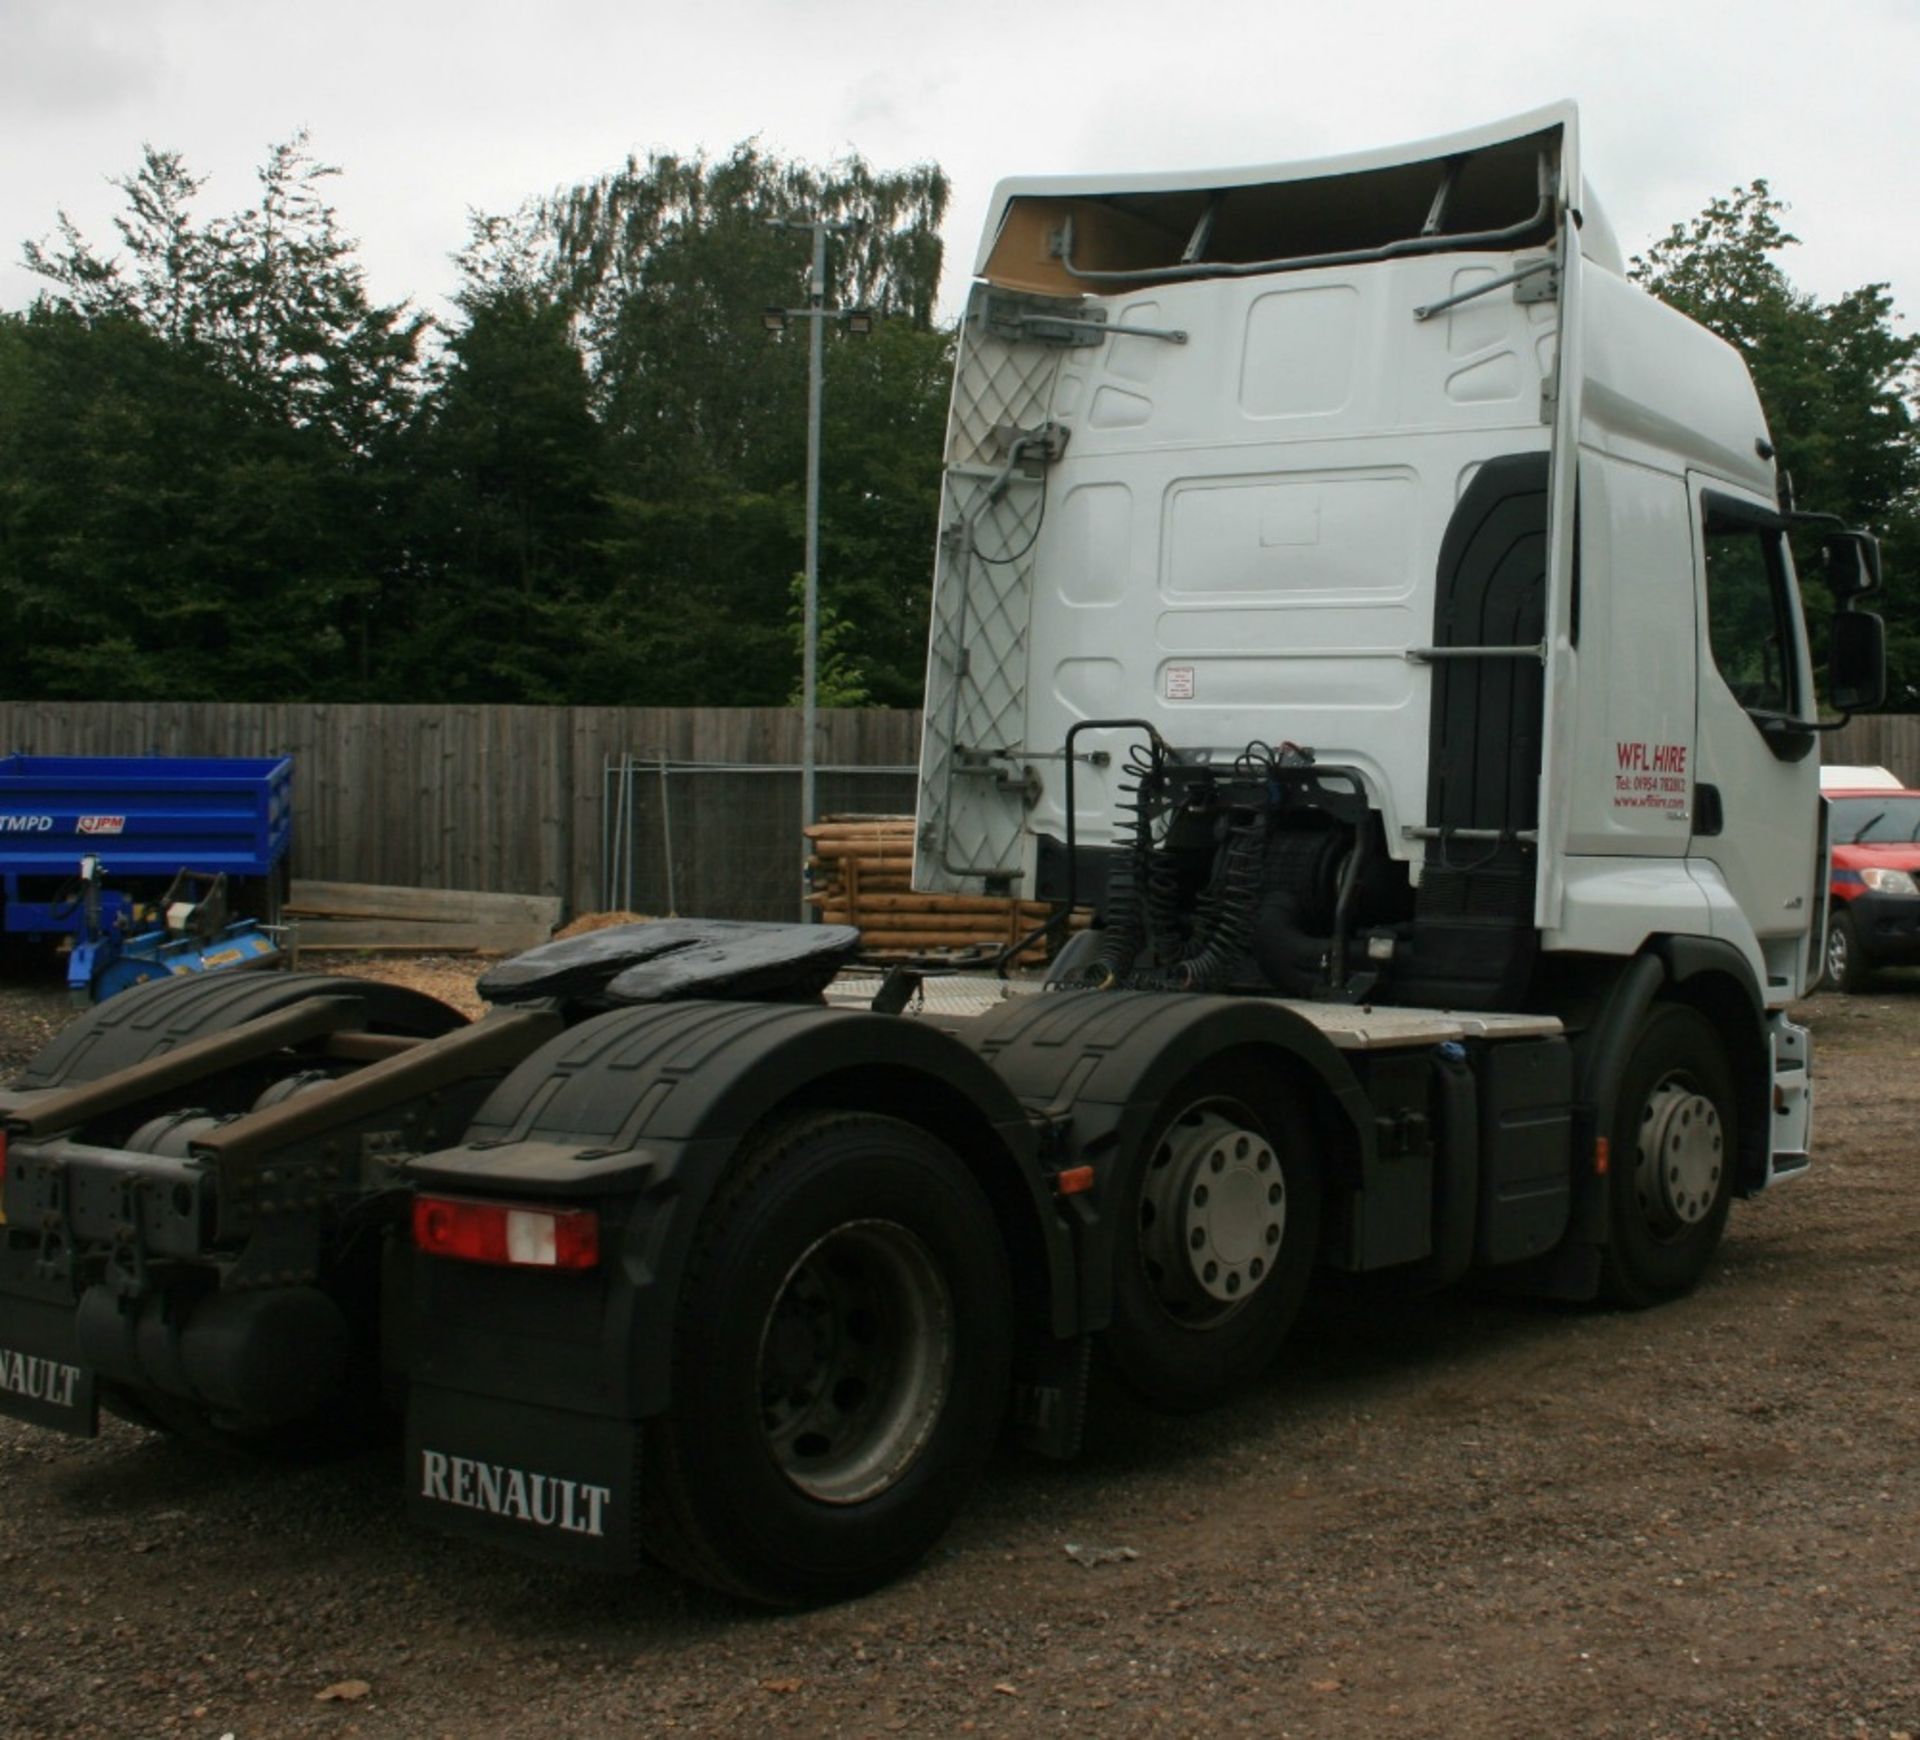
(1179, 682)
(1650, 776)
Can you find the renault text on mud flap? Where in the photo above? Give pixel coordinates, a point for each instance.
(545, 1500)
(38, 1380)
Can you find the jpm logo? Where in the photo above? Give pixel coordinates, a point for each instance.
(102, 825)
(18, 824)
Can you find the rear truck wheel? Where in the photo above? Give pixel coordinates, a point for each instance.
(1672, 1152)
(841, 1364)
(1847, 968)
(1218, 1230)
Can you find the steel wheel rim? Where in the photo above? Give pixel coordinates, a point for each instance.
(856, 1358)
(1212, 1214)
(1836, 953)
(1682, 1154)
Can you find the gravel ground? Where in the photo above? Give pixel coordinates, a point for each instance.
(1465, 1517)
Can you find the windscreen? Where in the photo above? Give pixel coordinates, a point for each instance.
(1884, 819)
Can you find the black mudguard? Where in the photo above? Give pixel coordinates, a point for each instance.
(641, 1111)
(1101, 1063)
(166, 1014)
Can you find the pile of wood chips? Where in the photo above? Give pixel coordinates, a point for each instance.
(862, 868)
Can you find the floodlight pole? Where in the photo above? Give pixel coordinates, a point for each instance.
(816, 315)
(810, 612)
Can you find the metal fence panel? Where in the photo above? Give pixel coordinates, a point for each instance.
(722, 841)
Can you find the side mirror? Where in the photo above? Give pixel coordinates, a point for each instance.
(1852, 564)
(1856, 661)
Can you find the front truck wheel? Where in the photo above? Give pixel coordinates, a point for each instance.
(1671, 1155)
(1217, 1235)
(841, 1364)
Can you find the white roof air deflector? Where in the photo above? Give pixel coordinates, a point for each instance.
(1496, 187)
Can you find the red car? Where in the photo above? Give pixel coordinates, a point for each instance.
(1873, 905)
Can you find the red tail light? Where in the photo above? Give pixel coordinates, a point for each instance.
(514, 1233)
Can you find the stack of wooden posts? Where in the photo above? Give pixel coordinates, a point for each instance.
(862, 870)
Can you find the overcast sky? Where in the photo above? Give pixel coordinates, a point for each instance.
(434, 106)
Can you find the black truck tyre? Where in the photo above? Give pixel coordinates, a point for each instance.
(1671, 1158)
(1217, 1232)
(1847, 968)
(841, 1364)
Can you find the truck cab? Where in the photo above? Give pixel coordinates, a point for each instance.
(1377, 464)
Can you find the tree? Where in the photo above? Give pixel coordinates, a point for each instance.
(510, 515)
(886, 419)
(1836, 379)
(273, 292)
(226, 441)
(664, 269)
(225, 470)
(158, 538)
(838, 680)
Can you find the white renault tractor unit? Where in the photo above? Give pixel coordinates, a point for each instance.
(1375, 607)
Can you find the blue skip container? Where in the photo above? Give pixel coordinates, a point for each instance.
(146, 818)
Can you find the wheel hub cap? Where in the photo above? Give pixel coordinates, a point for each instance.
(1212, 1213)
(855, 1359)
(1681, 1156)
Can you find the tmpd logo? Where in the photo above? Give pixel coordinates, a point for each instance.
(17, 824)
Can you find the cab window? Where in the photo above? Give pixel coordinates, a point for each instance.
(1750, 618)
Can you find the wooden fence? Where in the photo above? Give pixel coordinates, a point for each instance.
(513, 799)
(524, 800)
(1890, 740)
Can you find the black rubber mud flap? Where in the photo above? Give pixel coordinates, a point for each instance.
(42, 1378)
(537, 1481)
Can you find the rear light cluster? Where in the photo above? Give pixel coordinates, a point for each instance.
(514, 1233)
